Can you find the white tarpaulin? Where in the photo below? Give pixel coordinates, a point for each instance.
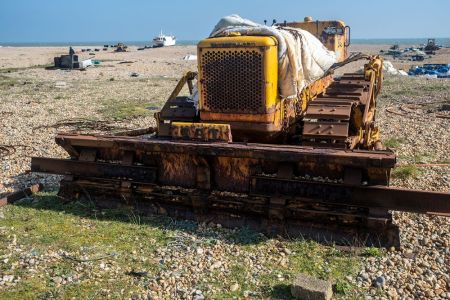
(389, 68)
(302, 58)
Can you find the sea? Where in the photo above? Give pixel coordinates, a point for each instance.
(400, 41)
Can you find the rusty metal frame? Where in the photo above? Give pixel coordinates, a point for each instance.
(121, 169)
(286, 153)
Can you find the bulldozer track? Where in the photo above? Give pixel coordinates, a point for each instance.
(328, 118)
(273, 215)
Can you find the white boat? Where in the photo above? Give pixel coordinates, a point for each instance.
(164, 40)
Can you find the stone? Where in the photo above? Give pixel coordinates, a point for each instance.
(307, 287)
(379, 282)
(445, 107)
(216, 265)
(57, 280)
(392, 293)
(247, 294)
(429, 293)
(287, 251)
(364, 276)
(234, 287)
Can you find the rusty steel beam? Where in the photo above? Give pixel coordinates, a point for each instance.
(364, 196)
(92, 169)
(280, 153)
(367, 196)
(16, 196)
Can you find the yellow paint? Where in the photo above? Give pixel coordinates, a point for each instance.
(266, 45)
(336, 41)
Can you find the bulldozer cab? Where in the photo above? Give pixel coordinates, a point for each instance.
(335, 35)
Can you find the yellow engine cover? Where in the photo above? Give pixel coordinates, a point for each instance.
(238, 76)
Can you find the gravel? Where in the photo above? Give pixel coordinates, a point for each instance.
(421, 269)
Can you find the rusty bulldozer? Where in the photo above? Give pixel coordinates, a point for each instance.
(243, 155)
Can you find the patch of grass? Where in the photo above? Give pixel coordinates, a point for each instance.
(311, 258)
(393, 142)
(407, 171)
(422, 158)
(160, 78)
(67, 231)
(45, 223)
(121, 111)
(59, 97)
(434, 88)
(372, 252)
(343, 287)
(418, 158)
(6, 81)
(124, 108)
(34, 288)
(395, 87)
(12, 70)
(247, 236)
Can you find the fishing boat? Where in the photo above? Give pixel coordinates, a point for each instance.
(164, 40)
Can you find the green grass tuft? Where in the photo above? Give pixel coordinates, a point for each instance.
(372, 252)
(404, 172)
(343, 287)
(121, 111)
(393, 142)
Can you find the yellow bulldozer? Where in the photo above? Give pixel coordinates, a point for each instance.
(235, 151)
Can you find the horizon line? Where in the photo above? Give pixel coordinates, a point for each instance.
(186, 40)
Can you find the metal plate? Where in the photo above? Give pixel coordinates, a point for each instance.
(92, 169)
(201, 131)
(328, 130)
(323, 111)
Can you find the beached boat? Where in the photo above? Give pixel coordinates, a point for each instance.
(164, 40)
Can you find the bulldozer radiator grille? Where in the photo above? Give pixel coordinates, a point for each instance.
(233, 81)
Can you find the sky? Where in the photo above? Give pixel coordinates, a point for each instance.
(140, 20)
